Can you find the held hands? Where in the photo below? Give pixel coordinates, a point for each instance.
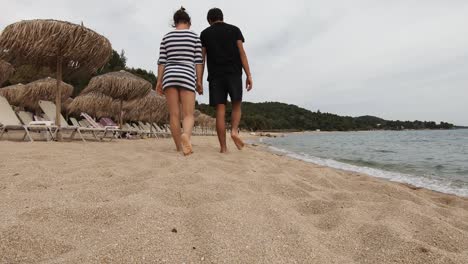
(199, 87)
(159, 88)
(249, 83)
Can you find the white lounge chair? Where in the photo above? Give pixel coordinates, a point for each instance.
(49, 110)
(130, 129)
(107, 130)
(147, 129)
(10, 122)
(87, 128)
(142, 131)
(27, 119)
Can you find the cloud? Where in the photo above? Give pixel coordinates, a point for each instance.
(395, 59)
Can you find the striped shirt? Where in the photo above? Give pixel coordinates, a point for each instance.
(180, 51)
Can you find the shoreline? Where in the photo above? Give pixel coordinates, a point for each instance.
(138, 201)
(391, 176)
(265, 148)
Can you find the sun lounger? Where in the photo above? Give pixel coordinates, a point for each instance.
(129, 129)
(49, 113)
(161, 131)
(27, 119)
(85, 127)
(108, 130)
(148, 127)
(107, 122)
(144, 131)
(141, 131)
(10, 122)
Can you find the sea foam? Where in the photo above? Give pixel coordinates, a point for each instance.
(417, 181)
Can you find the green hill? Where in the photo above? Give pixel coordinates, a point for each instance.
(281, 116)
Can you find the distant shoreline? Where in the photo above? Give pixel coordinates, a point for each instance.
(288, 131)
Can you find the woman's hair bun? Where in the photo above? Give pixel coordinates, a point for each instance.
(181, 16)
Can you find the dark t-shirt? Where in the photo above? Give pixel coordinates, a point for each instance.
(223, 57)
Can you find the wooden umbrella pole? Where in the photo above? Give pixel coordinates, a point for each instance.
(58, 98)
(121, 114)
(152, 121)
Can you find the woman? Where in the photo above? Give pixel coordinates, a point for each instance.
(180, 74)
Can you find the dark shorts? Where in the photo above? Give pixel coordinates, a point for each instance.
(221, 87)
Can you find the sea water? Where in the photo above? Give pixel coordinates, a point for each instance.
(433, 159)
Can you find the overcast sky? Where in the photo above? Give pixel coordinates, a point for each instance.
(399, 59)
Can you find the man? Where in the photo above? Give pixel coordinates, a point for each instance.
(223, 49)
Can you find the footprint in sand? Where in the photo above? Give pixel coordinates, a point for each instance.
(288, 191)
(192, 197)
(20, 244)
(34, 185)
(330, 221)
(381, 244)
(316, 207)
(91, 215)
(305, 186)
(451, 202)
(441, 236)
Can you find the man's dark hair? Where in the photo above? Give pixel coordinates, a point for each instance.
(215, 14)
(181, 16)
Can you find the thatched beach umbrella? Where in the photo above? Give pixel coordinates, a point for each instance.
(71, 47)
(13, 93)
(46, 90)
(122, 86)
(94, 103)
(6, 70)
(151, 108)
(66, 104)
(205, 121)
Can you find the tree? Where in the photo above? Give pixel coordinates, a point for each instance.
(279, 116)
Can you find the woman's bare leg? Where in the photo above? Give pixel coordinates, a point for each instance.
(173, 102)
(187, 99)
(188, 107)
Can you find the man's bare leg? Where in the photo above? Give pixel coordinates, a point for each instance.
(221, 126)
(235, 120)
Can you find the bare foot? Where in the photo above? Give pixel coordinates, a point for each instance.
(186, 145)
(179, 148)
(238, 141)
(223, 150)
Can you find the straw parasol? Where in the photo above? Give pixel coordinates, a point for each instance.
(66, 103)
(44, 89)
(151, 108)
(71, 47)
(122, 86)
(94, 103)
(205, 121)
(5, 71)
(13, 93)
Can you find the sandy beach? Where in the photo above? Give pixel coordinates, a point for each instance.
(136, 201)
